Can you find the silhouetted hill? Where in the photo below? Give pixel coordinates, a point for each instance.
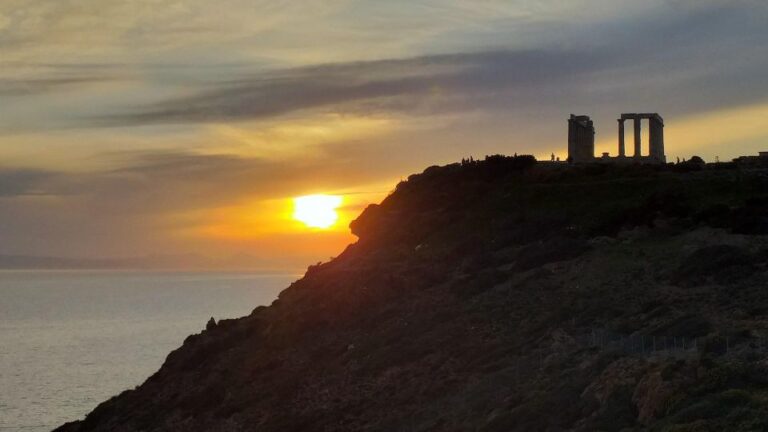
(501, 296)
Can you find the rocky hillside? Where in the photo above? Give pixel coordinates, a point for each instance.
(501, 295)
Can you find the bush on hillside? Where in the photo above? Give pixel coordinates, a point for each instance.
(720, 263)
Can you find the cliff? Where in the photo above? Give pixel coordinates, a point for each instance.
(500, 295)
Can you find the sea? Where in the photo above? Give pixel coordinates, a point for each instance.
(72, 339)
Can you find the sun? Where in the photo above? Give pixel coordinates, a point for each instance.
(317, 211)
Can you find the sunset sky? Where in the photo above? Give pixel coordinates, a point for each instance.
(152, 127)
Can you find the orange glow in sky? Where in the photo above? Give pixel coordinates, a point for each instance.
(317, 211)
(212, 142)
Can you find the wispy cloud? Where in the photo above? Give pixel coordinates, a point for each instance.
(15, 182)
(665, 60)
(35, 86)
(387, 85)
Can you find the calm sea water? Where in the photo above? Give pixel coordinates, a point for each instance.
(71, 339)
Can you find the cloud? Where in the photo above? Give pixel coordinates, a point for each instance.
(15, 182)
(286, 91)
(665, 60)
(35, 86)
(151, 182)
(140, 29)
(659, 55)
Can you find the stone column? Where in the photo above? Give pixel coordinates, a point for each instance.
(638, 144)
(660, 142)
(622, 151)
(656, 133)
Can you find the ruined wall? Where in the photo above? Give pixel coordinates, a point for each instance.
(581, 139)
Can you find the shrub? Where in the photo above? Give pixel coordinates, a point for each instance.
(752, 218)
(688, 326)
(724, 263)
(557, 249)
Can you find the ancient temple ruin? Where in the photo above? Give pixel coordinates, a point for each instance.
(581, 140)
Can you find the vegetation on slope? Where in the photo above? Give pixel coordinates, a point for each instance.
(501, 295)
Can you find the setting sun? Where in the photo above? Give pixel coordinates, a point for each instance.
(316, 211)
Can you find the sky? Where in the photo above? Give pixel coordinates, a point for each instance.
(175, 127)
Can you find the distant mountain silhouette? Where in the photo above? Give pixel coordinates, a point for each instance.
(240, 261)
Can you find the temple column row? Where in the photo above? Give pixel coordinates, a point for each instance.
(638, 140)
